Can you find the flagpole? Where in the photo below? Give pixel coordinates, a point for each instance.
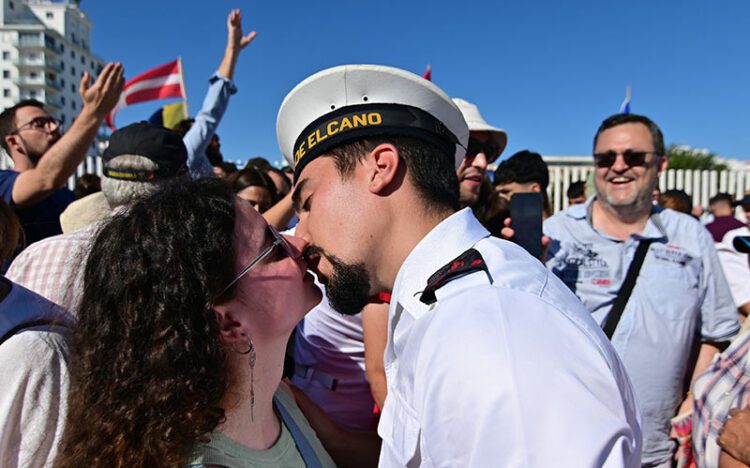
(182, 84)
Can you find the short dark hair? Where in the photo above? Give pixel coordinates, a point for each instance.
(8, 119)
(576, 189)
(523, 167)
(619, 119)
(430, 168)
(721, 197)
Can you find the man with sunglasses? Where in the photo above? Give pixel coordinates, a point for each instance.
(680, 304)
(43, 159)
(486, 144)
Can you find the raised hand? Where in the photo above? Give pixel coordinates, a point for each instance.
(102, 96)
(235, 39)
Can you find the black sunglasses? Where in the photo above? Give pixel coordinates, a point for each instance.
(490, 149)
(631, 158)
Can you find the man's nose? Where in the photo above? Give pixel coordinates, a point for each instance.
(620, 165)
(480, 161)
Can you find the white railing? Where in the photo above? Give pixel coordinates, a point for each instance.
(700, 185)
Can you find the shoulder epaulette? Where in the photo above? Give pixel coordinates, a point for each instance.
(466, 263)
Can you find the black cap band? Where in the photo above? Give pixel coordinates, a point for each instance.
(367, 120)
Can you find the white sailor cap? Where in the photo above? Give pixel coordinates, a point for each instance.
(350, 102)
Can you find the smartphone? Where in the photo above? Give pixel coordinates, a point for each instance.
(526, 219)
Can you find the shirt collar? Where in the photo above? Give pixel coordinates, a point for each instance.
(654, 227)
(446, 241)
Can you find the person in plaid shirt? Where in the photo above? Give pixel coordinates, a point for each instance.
(725, 385)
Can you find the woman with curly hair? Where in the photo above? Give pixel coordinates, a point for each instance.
(189, 300)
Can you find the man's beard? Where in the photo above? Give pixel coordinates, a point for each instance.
(348, 287)
(34, 155)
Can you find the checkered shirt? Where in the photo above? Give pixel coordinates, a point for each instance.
(724, 385)
(54, 267)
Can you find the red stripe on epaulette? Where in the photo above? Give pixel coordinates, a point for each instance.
(468, 262)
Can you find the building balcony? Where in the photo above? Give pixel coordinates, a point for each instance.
(38, 64)
(41, 82)
(37, 43)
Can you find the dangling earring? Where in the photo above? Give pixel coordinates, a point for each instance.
(251, 359)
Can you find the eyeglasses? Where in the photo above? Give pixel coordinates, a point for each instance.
(490, 149)
(631, 158)
(279, 240)
(40, 123)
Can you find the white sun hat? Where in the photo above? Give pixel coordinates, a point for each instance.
(351, 102)
(476, 123)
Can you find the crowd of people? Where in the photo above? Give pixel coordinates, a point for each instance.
(367, 304)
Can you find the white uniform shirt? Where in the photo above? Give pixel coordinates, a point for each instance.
(503, 371)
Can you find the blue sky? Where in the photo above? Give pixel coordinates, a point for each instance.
(546, 71)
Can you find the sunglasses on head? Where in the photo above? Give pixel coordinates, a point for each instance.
(490, 149)
(632, 158)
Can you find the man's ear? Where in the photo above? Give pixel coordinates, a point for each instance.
(663, 164)
(383, 164)
(535, 187)
(11, 141)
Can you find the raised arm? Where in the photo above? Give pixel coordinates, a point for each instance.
(216, 100)
(61, 160)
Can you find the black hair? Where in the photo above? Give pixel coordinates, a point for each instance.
(252, 177)
(721, 198)
(523, 167)
(576, 189)
(430, 168)
(8, 119)
(619, 119)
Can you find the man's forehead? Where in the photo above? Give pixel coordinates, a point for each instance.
(27, 113)
(627, 133)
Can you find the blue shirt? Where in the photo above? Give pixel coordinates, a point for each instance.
(199, 136)
(42, 219)
(681, 295)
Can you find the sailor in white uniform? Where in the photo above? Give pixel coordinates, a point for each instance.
(490, 360)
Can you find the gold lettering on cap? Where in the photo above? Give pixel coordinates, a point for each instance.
(336, 126)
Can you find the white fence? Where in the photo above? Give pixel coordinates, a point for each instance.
(701, 185)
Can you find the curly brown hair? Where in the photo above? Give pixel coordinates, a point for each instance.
(148, 368)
